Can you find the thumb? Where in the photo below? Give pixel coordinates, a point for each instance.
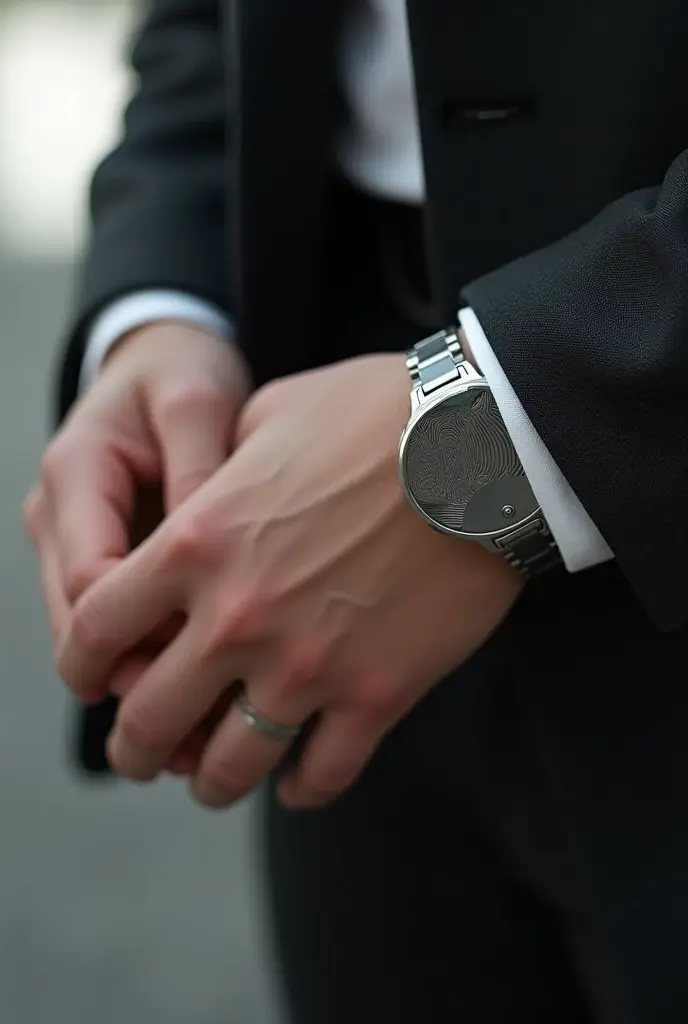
(195, 430)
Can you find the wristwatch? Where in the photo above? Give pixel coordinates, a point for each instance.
(458, 466)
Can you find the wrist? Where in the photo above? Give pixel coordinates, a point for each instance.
(151, 333)
(175, 347)
(120, 321)
(467, 350)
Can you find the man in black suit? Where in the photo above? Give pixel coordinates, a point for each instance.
(511, 843)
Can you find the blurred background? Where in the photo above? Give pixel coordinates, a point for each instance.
(116, 903)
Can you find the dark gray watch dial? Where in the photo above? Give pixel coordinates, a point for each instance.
(462, 469)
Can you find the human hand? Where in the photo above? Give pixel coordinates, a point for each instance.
(162, 413)
(300, 570)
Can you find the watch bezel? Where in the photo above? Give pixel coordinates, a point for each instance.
(421, 405)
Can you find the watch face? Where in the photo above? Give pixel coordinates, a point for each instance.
(462, 470)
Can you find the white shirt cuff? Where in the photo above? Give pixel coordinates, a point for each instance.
(138, 309)
(580, 542)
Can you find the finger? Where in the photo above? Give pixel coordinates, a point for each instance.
(114, 616)
(128, 673)
(238, 757)
(56, 603)
(187, 757)
(133, 666)
(32, 510)
(194, 429)
(339, 749)
(178, 691)
(90, 494)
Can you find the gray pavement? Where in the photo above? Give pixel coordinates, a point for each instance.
(117, 903)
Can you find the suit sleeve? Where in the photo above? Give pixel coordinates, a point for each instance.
(158, 210)
(592, 333)
(158, 201)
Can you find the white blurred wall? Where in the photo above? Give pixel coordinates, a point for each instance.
(62, 86)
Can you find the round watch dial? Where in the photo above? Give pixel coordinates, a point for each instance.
(461, 467)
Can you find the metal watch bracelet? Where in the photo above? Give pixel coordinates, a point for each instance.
(437, 361)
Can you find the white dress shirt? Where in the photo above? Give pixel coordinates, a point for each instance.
(380, 152)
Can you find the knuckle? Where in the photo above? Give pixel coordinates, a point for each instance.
(244, 621)
(193, 539)
(305, 662)
(302, 666)
(378, 696)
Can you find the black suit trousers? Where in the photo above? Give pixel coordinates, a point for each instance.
(437, 890)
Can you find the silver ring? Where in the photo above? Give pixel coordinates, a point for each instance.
(271, 730)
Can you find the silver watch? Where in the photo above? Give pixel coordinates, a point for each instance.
(458, 466)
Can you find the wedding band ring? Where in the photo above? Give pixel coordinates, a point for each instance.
(266, 727)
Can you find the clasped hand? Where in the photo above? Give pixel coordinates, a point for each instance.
(298, 569)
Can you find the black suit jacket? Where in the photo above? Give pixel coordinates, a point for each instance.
(564, 224)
